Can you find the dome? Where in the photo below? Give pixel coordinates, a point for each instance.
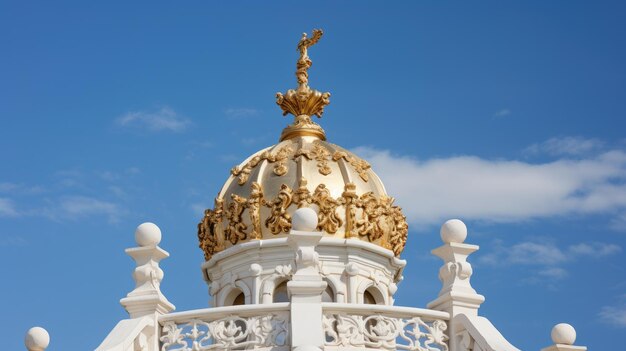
(302, 170)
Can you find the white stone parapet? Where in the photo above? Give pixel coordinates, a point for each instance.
(261, 327)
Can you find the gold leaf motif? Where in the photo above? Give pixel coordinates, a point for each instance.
(302, 195)
(280, 158)
(328, 220)
(209, 230)
(349, 199)
(236, 228)
(397, 238)
(318, 153)
(279, 220)
(359, 165)
(375, 218)
(254, 209)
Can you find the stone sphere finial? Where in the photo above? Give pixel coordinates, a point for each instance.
(37, 339)
(563, 333)
(453, 231)
(304, 219)
(147, 234)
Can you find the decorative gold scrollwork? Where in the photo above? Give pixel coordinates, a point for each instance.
(279, 220)
(359, 165)
(280, 168)
(328, 220)
(236, 227)
(318, 153)
(302, 195)
(209, 230)
(369, 216)
(254, 209)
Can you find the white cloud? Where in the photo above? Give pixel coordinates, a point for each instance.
(615, 315)
(565, 146)
(535, 254)
(554, 273)
(500, 190)
(7, 208)
(165, 119)
(502, 113)
(7, 187)
(76, 207)
(618, 223)
(546, 256)
(594, 249)
(545, 253)
(241, 112)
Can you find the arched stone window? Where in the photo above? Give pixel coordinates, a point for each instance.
(235, 297)
(280, 293)
(328, 295)
(373, 296)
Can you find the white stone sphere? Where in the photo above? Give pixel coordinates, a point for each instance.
(453, 231)
(563, 333)
(147, 234)
(37, 339)
(304, 219)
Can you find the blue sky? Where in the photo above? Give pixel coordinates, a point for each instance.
(508, 115)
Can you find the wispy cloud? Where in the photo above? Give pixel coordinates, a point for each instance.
(241, 112)
(502, 113)
(77, 207)
(545, 259)
(565, 146)
(7, 208)
(18, 188)
(501, 190)
(165, 119)
(615, 315)
(545, 253)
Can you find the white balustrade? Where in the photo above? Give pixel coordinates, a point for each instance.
(261, 327)
(350, 326)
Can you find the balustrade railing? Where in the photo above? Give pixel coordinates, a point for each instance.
(259, 327)
(350, 326)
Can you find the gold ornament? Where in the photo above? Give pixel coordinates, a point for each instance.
(359, 165)
(280, 158)
(279, 220)
(304, 102)
(327, 218)
(236, 227)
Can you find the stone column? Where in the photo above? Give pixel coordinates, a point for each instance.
(306, 286)
(147, 298)
(146, 302)
(457, 295)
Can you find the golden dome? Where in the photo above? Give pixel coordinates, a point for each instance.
(302, 170)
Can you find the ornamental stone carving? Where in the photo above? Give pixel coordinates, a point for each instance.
(384, 333)
(271, 331)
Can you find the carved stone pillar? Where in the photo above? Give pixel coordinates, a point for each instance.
(146, 302)
(147, 298)
(306, 286)
(457, 295)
